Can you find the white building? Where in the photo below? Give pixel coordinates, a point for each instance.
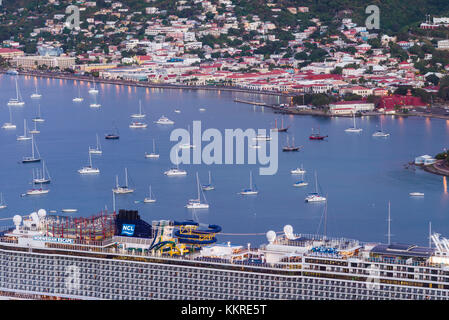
(350, 107)
(425, 160)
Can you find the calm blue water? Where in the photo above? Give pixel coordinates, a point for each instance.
(359, 173)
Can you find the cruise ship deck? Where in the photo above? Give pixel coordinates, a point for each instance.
(120, 256)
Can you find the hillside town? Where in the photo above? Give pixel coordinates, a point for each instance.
(208, 44)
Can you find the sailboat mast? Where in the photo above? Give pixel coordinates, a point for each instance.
(316, 183)
(250, 179)
(32, 146)
(126, 177)
(198, 185)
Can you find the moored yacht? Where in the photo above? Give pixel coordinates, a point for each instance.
(25, 130)
(164, 120)
(89, 169)
(122, 189)
(315, 196)
(251, 190)
(152, 155)
(17, 101)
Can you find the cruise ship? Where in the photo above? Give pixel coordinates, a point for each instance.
(120, 256)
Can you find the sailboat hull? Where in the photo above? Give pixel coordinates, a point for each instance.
(30, 160)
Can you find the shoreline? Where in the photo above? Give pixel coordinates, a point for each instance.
(275, 108)
(64, 76)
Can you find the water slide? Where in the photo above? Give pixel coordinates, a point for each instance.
(189, 233)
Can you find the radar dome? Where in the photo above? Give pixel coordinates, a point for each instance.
(271, 236)
(17, 220)
(41, 213)
(34, 217)
(288, 230)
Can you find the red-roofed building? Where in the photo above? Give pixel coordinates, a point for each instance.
(408, 101)
(8, 53)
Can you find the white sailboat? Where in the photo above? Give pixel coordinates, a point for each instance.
(302, 182)
(33, 157)
(262, 137)
(354, 129)
(89, 169)
(25, 130)
(196, 203)
(35, 131)
(36, 191)
(94, 89)
(95, 104)
(38, 118)
(380, 133)
(79, 98)
(138, 125)
(140, 114)
(122, 189)
(96, 150)
(164, 120)
(152, 155)
(176, 171)
(251, 190)
(150, 198)
(298, 171)
(9, 125)
(43, 177)
(2, 203)
(35, 95)
(17, 101)
(315, 196)
(209, 186)
(187, 145)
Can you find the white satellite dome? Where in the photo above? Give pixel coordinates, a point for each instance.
(288, 230)
(41, 213)
(34, 217)
(271, 236)
(17, 220)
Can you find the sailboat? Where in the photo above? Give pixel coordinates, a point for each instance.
(175, 171)
(35, 95)
(79, 98)
(95, 104)
(25, 129)
(33, 157)
(38, 118)
(36, 191)
(9, 125)
(354, 129)
(209, 186)
(112, 136)
(187, 145)
(122, 189)
(292, 147)
(196, 203)
(89, 169)
(94, 89)
(2, 203)
(140, 114)
(380, 133)
(298, 171)
(35, 131)
(44, 177)
(281, 129)
(251, 190)
(153, 154)
(96, 150)
(16, 102)
(164, 120)
(315, 196)
(138, 124)
(150, 198)
(316, 135)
